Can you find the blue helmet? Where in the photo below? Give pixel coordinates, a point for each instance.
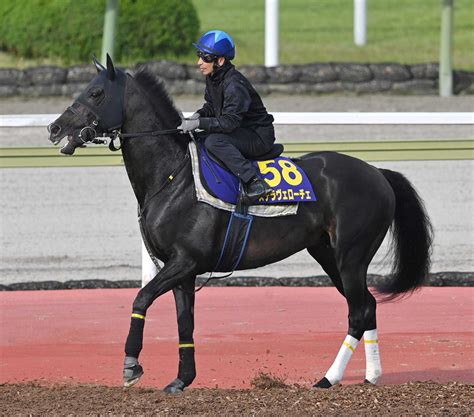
(218, 43)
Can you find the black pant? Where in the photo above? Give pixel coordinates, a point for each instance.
(233, 149)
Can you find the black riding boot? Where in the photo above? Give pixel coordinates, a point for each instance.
(256, 188)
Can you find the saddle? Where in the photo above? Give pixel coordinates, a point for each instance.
(289, 181)
(275, 152)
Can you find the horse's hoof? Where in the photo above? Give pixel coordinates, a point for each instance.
(176, 387)
(323, 383)
(366, 381)
(132, 375)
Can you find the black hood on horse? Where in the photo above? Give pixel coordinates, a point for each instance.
(98, 110)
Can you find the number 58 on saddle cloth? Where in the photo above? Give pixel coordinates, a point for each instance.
(289, 182)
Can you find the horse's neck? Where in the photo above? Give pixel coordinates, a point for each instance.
(149, 160)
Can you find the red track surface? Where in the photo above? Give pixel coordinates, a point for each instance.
(79, 335)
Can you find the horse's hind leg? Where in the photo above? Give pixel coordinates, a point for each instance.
(348, 270)
(184, 300)
(356, 301)
(373, 366)
(323, 253)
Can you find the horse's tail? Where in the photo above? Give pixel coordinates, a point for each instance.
(412, 236)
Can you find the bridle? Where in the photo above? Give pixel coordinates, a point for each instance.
(89, 126)
(114, 118)
(89, 134)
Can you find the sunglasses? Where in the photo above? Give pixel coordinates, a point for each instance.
(207, 58)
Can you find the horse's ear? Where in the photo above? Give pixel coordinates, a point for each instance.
(110, 68)
(97, 64)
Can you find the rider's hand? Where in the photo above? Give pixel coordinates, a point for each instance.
(194, 116)
(188, 125)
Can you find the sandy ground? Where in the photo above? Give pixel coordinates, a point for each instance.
(272, 399)
(80, 223)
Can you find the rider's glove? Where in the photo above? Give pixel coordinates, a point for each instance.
(194, 116)
(188, 125)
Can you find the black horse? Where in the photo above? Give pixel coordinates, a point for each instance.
(357, 204)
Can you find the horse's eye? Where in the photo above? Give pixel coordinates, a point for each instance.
(96, 92)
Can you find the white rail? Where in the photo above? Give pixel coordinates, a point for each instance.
(295, 118)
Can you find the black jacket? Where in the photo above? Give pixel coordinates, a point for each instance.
(232, 102)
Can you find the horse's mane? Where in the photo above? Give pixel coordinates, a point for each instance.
(159, 98)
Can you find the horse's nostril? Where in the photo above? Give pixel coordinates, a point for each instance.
(54, 129)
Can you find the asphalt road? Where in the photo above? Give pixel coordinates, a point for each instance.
(80, 223)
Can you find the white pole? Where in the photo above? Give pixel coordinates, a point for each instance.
(149, 269)
(360, 22)
(445, 55)
(271, 33)
(110, 27)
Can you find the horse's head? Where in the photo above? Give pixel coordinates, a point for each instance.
(98, 110)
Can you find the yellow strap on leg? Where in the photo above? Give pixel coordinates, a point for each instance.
(186, 345)
(348, 345)
(138, 316)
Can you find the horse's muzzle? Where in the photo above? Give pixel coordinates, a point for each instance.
(55, 133)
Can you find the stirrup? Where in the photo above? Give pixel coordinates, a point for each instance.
(266, 189)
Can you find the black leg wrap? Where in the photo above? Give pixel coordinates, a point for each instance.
(187, 366)
(176, 387)
(132, 375)
(323, 383)
(133, 346)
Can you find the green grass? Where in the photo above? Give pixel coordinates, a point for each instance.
(405, 31)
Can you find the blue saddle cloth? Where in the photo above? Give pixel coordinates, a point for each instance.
(289, 182)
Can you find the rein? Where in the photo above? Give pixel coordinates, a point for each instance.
(116, 134)
(153, 133)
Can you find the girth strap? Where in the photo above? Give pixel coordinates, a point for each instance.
(235, 242)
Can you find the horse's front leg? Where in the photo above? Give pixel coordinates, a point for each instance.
(184, 299)
(175, 271)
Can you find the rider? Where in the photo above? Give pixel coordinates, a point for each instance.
(233, 115)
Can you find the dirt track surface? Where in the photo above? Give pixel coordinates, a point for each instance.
(416, 398)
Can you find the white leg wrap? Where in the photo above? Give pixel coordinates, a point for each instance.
(373, 367)
(336, 371)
